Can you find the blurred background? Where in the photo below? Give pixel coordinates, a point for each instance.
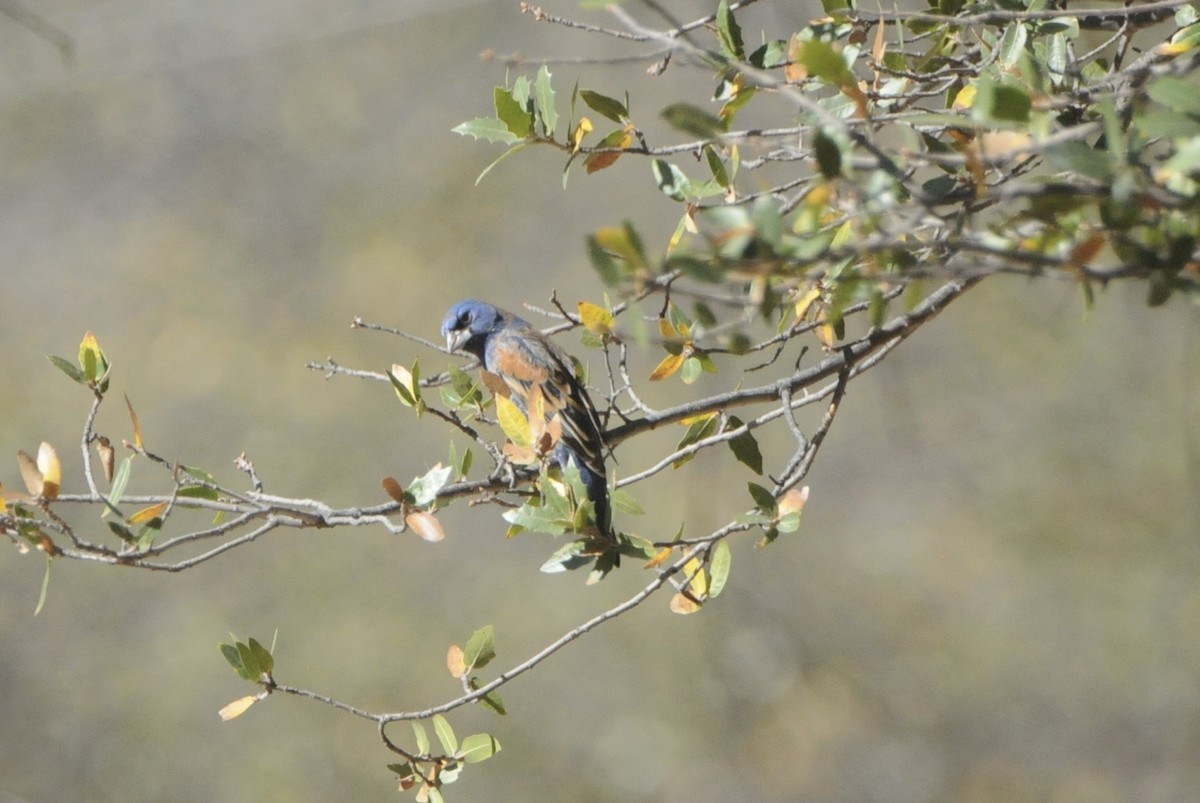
(993, 596)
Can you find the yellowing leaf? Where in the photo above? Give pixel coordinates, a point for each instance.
(582, 130)
(405, 378)
(698, 584)
(667, 329)
(137, 427)
(513, 422)
(30, 474)
(237, 707)
(965, 98)
(805, 302)
(596, 318)
(425, 525)
(91, 358)
(683, 604)
(1000, 143)
(659, 558)
(826, 334)
(455, 661)
(149, 513)
(51, 470)
(669, 365)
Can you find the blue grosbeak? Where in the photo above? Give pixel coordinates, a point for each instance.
(525, 358)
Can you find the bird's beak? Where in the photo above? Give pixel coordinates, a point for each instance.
(455, 339)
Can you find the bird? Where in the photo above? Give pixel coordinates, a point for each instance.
(524, 358)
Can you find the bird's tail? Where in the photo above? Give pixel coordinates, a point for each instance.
(597, 490)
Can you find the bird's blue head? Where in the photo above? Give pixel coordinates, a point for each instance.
(467, 325)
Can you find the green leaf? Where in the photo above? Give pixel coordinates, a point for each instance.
(822, 61)
(772, 54)
(763, 498)
(478, 747)
(513, 114)
(481, 648)
(623, 501)
(1010, 103)
(554, 502)
(1082, 159)
(422, 738)
(693, 120)
(262, 656)
(789, 523)
(603, 262)
(67, 367)
(424, 489)
(234, 658)
(198, 492)
(718, 569)
(1176, 93)
(537, 519)
(719, 173)
(745, 447)
(520, 146)
(698, 430)
(602, 104)
(829, 155)
(445, 734)
(198, 473)
(671, 180)
(249, 661)
(544, 97)
(1012, 45)
(120, 481)
(567, 558)
(491, 129)
(122, 532)
(690, 371)
(521, 91)
(729, 32)
(41, 602)
(494, 702)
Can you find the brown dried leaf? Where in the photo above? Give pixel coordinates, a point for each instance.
(30, 474)
(683, 604)
(393, 488)
(108, 456)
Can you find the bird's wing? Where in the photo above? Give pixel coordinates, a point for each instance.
(524, 358)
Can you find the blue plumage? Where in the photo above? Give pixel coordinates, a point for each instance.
(524, 358)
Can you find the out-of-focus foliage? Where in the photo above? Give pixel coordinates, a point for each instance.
(893, 161)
